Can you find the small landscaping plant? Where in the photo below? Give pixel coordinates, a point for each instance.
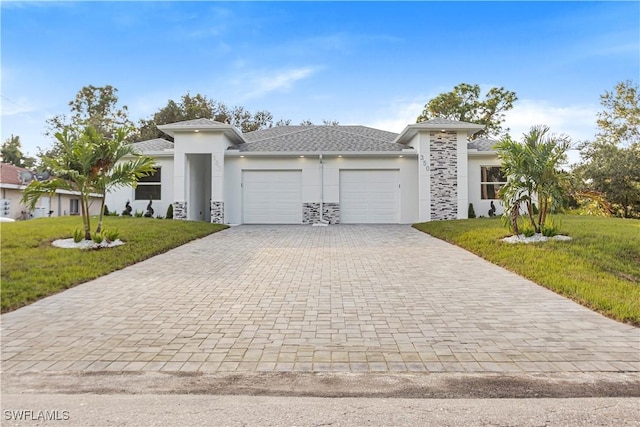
(97, 238)
(472, 212)
(551, 228)
(170, 211)
(78, 235)
(111, 235)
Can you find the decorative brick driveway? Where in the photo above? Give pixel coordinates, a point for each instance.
(301, 298)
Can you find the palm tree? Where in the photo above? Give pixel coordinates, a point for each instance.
(89, 163)
(111, 171)
(532, 168)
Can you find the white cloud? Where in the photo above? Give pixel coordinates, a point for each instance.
(577, 121)
(398, 115)
(256, 84)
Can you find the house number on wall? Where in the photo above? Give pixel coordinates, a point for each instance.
(424, 163)
(215, 161)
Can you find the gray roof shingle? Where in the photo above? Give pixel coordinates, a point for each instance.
(320, 138)
(448, 122)
(157, 144)
(481, 144)
(197, 122)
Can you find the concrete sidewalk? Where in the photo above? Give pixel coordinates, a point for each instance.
(314, 299)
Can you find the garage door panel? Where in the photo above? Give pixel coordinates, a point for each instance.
(369, 196)
(272, 197)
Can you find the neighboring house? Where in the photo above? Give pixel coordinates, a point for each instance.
(14, 179)
(309, 174)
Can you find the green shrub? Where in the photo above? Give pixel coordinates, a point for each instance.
(78, 235)
(105, 211)
(527, 229)
(170, 211)
(472, 212)
(550, 228)
(111, 235)
(97, 238)
(138, 214)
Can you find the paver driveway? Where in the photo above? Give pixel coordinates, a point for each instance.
(300, 298)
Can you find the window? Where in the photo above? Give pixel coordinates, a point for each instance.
(491, 180)
(74, 207)
(149, 187)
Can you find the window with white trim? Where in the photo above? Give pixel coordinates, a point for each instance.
(491, 180)
(149, 187)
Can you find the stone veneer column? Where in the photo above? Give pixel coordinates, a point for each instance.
(217, 212)
(331, 212)
(311, 213)
(444, 175)
(179, 210)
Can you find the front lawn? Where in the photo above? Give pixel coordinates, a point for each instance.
(599, 268)
(32, 268)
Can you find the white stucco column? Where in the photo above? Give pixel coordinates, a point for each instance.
(463, 176)
(424, 177)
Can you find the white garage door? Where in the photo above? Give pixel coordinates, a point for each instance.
(272, 197)
(369, 196)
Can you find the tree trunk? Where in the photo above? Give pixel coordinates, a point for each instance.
(85, 217)
(531, 214)
(100, 217)
(542, 214)
(514, 219)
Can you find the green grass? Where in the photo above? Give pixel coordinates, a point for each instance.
(31, 268)
(599, 268)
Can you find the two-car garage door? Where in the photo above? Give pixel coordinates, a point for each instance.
(366, 196)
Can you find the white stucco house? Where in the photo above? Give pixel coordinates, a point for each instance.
(309, 174)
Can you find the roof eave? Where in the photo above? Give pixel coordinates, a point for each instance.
(237, 153)
(230, 131)
(411, 130)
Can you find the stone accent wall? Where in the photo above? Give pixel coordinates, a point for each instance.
(444, 172)
(217, 212)
(311, 213)
(179, 210)
(331, 212)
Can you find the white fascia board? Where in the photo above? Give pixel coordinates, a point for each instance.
(12, 186)
(411, 130)
(59, 191)
(476, 153)
(232, 133)
(235, 153)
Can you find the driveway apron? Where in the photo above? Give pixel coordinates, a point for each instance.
(350, 298)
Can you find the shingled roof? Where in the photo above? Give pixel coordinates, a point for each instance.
(320, 139)
(10, 174)
(481, 144)
(152, 145)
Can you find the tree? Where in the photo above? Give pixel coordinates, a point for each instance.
(201, 107)
(532, 168)
(89, 162)
(463, 103)
(11, 153)
(619, 123)
(611, 162)
(94, 106)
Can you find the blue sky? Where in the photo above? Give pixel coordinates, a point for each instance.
(370, 63)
